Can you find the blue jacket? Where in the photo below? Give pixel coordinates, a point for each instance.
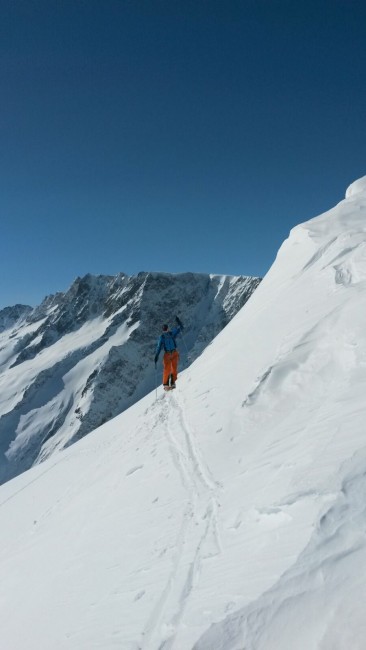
(167, 341)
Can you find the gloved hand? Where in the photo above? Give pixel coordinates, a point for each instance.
(156, 358)
(179, 322)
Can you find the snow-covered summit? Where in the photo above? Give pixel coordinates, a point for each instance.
(227, 514)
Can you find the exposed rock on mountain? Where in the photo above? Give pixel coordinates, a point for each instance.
(83, 356)
(11, 315)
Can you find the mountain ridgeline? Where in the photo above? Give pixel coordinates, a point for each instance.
(83, 356)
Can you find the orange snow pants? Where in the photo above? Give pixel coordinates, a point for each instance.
(170, 362)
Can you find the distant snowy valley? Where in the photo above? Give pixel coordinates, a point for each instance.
(226, 515)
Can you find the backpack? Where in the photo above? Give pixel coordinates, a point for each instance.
(169, 343)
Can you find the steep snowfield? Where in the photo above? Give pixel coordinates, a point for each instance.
(230, 513)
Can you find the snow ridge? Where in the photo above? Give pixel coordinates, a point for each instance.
(225, 515)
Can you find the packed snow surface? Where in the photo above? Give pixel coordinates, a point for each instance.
(227, 514)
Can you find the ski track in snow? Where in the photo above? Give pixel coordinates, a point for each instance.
(199, 525)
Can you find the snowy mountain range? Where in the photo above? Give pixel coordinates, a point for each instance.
(228, 514)
(86, 355)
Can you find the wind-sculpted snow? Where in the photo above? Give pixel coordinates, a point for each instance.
(357, 188)
(228, 514)
(82, 357)
(306, 410)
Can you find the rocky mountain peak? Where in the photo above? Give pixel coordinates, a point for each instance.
(11, 315)
(85, 355)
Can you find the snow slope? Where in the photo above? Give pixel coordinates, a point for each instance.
(84, 356)
(230, 513)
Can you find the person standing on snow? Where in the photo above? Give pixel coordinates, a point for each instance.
(171, 354)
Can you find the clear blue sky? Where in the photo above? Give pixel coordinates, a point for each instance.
(171, 135)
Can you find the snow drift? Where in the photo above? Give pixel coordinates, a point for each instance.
(230, 513)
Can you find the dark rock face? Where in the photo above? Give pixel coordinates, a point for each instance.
(83, 356)
(11, 315)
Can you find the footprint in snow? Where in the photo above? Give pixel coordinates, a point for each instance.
(139, 595)
(230, 606)
(133, 470)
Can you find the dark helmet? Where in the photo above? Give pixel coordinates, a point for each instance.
(165, 328)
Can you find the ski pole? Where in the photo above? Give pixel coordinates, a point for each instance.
(156, 383)
(185, 345)
(179, 322)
